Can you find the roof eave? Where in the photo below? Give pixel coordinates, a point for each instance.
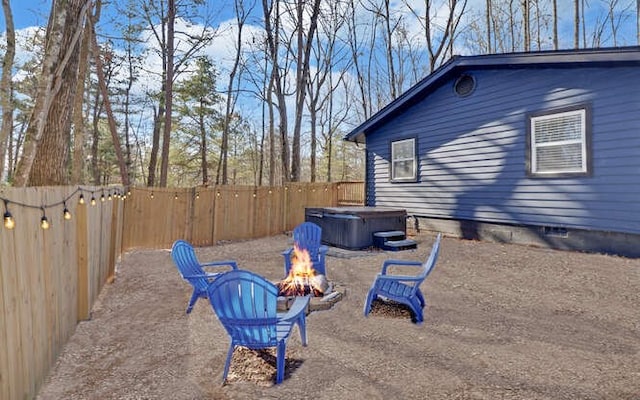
(573, 58)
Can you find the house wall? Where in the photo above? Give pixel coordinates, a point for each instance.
(472, 152)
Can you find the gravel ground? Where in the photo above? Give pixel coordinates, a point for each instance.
(501, 322)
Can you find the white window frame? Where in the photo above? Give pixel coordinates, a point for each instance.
(397, 159)
(582, 141)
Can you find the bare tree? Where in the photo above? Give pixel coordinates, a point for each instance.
(304, 44)
(168, 91)
(526, 8)
(489, 18)
(555, 25)
(156, 15)
(326, 56)
(124, 175)
(576, 24)
(241, 17)
(6, 84)
(272, 30)
(356, 46)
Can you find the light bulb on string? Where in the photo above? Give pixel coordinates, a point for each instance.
(109, 197)
(44, 222)
(81, 199)
(65, 213)
(9, 222)
(151, 195)
(93, 200)
(102, 198)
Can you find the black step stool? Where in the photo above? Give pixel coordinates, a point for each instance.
(393, 241)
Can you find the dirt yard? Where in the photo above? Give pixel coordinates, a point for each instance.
(501, 322)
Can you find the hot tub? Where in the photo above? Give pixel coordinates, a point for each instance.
(352, 228)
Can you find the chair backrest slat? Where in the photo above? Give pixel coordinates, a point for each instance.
(246, 305)
(185, 259)
(433, 257)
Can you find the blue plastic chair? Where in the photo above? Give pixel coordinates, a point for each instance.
(191, 270)
(403, 289)
(246, 305)
(307, 236)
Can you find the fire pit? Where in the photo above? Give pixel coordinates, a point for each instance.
(303, 280)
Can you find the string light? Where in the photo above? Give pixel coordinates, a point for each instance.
(102, 198)
(65, 213)
(9, 222)
(44, 222)
(151, 195)
(109, 197)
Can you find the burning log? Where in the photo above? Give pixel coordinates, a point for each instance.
(302, 279)
(315, 285)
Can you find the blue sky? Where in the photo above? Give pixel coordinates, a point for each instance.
(28, 13)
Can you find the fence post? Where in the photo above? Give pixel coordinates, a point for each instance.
(83, 303)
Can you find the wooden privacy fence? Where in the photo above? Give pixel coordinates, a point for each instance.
(156, 217)
(50, 279)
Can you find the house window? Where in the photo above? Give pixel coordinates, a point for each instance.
(559, 143)
(403, 160)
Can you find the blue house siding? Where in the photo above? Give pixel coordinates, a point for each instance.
(472, 150)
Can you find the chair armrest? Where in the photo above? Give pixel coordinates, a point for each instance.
(323, 249)
(206, 275)
(233, 264)
(287, 252)
(299, 306)
(399, 263)
(404, 278)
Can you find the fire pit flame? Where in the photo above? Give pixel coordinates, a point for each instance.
(302, 279)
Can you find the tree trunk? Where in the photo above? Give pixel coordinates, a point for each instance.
(488, 18)
(555, 24)
(166, 137)
(124, 175)
(204, 165)
(527, 25)
(50, 166)
(6, 85)
(272, 43)
(302, 75)
(576, 24)
(77, 168)
(63, 32)
(241, 17)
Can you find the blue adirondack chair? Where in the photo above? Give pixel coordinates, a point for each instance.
(307, 236)
(246, 305)
(191, 270)
(403, 289)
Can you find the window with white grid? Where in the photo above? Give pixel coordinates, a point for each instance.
(558, 143)
(403, 160)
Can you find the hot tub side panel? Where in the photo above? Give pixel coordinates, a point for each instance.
(353, 231)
